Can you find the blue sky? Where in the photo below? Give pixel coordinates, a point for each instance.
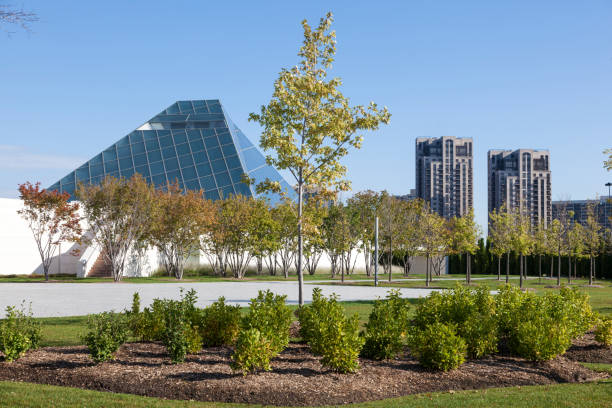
(520, 74)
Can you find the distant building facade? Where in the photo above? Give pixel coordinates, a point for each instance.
(602, 210)
(444, 174)
(407, 197)
(520, 179)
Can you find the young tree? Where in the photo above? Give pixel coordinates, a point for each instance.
(285, 214)
(242, 216)
(435, 238)
(409, 237)
(213, 240)
(540, 245)
(118, 212)
(309, 125)
(499, 234)
(266, 242)
(557, 241)
(592, 239)
(520, 239)
(314, 212)
(464, 237)
(367, 204)
(178, 220)
(389, 229)
(51, 218)
(332, 235)
(575, 246)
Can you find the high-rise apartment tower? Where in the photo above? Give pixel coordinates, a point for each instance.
(520, 179)
(444, 175)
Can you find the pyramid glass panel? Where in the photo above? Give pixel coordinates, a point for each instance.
(192, 142)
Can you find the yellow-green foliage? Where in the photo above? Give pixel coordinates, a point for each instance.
(330, 334)
(19, 332)
(386, 328)
(269, 314)
(438, 346)
(253, 352)
(471, 311)
(603, 331)
(219, 324)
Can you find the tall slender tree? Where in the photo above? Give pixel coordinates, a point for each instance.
(499, 234)
(464, 239)
(309, 125)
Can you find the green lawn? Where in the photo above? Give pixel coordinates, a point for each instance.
(597, 394)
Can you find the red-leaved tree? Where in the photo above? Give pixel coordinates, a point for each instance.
(51, 218)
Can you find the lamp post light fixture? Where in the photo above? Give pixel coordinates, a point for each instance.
(608, 184)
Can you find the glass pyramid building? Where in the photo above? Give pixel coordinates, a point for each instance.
(194, 142)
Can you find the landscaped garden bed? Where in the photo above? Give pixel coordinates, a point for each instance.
(297, 377)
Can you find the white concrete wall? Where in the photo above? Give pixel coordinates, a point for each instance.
(18, 252)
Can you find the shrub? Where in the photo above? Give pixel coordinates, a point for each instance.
(19, 332)
(269, 314)
(219, 324)
(471, 311)
(386, 328)
(253, 352)
(541, 327)
(180, 337)
(438, 346)
(150, 324)
(603, 331)
(107, 332)
(330, 333)
(540, 338)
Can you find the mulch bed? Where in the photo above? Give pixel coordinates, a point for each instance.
(587, 350)
(297, 377)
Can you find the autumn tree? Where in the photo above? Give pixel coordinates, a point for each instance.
(51, 218)
(118, 212)
(266, 242)
(213, 241)
(178, 219)
(309, 125)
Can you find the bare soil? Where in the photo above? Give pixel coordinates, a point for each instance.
(587, 350)
(297, 377)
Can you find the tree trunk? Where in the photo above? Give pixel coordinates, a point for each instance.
(468, 269)
(498, 267)
(427, 270)
(521, 271)
(559, 269)
(540, 266)
(507, 267)
(590, 270)
(569, 269)
(259, 265)
(525, 267)
(552, 265)
(300, 242)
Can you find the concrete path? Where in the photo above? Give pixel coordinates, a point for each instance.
(73, 299)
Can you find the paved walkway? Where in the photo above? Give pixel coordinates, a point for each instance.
(73, 299)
